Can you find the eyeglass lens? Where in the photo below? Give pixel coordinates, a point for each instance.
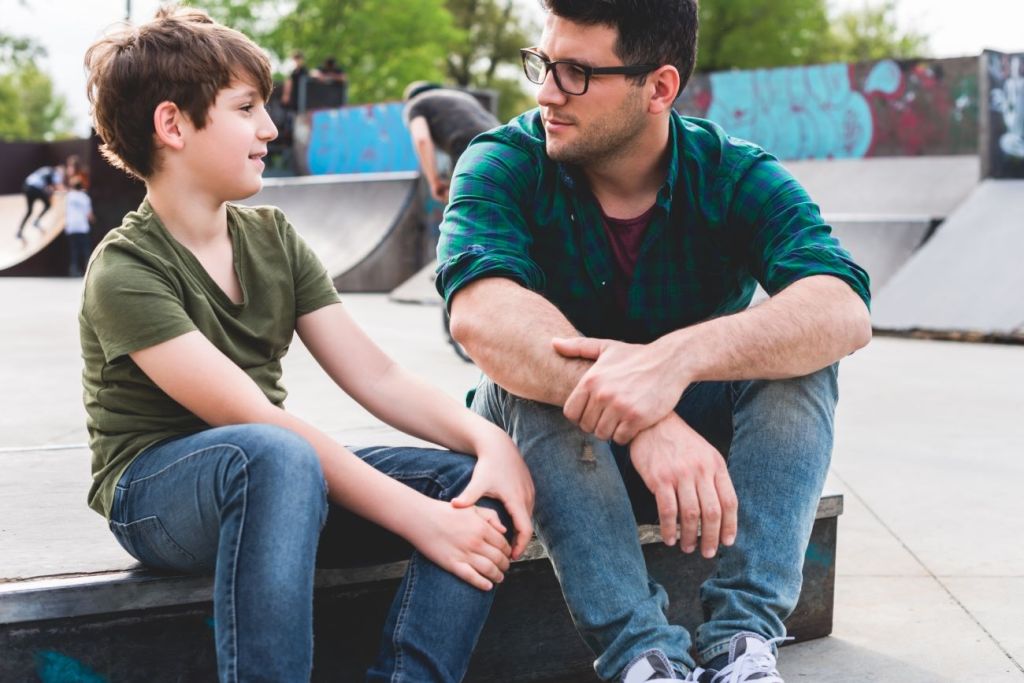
(569, 78)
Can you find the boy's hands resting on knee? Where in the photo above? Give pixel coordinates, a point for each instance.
(468, 542)
(501, 474)
(690, 482)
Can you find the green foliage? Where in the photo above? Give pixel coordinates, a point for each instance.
(383, 44)
(29, 107)
(386, 44)
(748, 34)
(487, 52)
(18, 51)
(751, 34)
(871, 33)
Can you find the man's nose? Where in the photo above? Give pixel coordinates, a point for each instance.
(549, 94)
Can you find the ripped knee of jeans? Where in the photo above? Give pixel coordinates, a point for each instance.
(587, 452)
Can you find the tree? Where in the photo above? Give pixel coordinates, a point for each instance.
(752, 34)
(871, 33)
(383, 44)
(29, 107)
(748, 34)
(486, 55)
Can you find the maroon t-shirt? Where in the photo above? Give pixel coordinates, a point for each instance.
(625, 235)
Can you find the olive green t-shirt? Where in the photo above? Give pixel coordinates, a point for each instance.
(143, 288)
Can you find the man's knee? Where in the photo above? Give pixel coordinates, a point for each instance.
(817, 391)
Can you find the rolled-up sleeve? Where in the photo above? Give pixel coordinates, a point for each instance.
(788, 238)
(485, 231)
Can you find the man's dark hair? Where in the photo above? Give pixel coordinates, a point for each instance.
(650, 31)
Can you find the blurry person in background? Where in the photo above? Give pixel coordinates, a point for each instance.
(77, 219)
(39, 186)
(442, 119)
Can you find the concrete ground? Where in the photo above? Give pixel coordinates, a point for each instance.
(930, 570)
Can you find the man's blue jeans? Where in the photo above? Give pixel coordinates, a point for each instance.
(777, 437)
(248, 503)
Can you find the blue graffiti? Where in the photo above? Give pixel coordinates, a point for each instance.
(364, 139)
(820, 554)
(886, 77)
(54, 667)
(795, 112)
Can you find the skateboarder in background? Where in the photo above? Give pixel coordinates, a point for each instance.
(442, 119)
(39, 186)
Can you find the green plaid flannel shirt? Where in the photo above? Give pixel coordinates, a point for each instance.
(728, 216)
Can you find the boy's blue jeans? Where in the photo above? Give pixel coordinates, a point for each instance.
(778, 437)
(248, 503)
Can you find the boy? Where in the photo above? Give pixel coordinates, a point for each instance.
(187, 310)
(77, 217)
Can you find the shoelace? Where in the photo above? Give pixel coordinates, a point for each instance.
(748, 664)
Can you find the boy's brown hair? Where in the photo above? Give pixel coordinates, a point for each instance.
(181, 56)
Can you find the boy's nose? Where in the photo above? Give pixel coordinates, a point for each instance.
(267, 131)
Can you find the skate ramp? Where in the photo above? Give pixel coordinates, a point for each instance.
(14, 252)
(884, 209)
(969, 277)
(881, 244)
(366, 228)
(896, 186)
(419, 289)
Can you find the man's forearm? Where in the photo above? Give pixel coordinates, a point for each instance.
(508, 329)
(813, 323)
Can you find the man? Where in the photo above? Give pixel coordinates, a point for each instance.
(331, 73)
(598, 256)
(293, 96)
(442, 119)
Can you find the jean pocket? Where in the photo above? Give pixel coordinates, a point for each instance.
(148, 542)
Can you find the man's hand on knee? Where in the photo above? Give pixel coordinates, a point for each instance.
(626, 390)
(690, 482)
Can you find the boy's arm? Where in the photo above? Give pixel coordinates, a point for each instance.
(426, 152)
(466, 542)
(405, 402)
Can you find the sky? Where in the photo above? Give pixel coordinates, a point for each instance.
(67, 27)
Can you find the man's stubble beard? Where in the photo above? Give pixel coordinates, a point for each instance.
(608, 137)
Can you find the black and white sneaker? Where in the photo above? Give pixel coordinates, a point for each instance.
(650, 667)
(750, 659)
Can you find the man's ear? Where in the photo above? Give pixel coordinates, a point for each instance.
(665, 80)
(167, 124)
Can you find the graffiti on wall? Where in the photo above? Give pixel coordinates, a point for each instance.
(360, 139)
(830, 111)
(838, 111)
(1005, 74)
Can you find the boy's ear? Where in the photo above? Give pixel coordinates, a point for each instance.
(167, 123)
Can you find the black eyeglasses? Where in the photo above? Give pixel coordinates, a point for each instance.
(570, 77)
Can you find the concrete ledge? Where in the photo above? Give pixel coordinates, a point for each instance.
(143, 625)
(61, 597)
